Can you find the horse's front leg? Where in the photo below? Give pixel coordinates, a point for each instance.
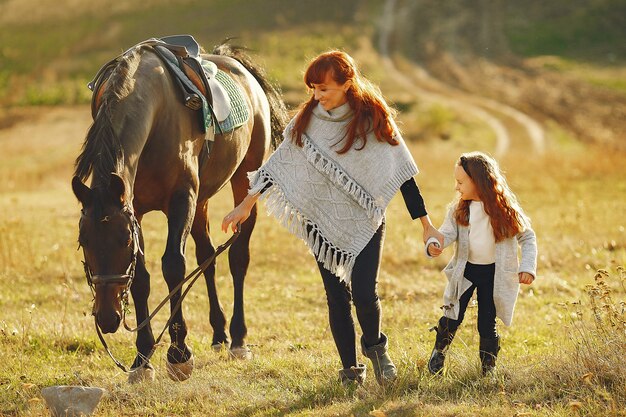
(179, 219)
(140, 291)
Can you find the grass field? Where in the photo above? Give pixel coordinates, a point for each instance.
(563, 356)
(556, 360)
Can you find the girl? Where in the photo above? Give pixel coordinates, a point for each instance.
(487, 224)
(330, 182)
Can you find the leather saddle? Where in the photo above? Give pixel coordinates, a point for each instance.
(194, 76)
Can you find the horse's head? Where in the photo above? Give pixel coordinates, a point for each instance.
(108, 234)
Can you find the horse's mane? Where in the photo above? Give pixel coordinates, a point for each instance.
(279, 115)
(102, 152)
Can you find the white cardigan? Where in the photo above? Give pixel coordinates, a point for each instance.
(506, 280)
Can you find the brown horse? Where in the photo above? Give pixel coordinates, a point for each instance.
(145, 151)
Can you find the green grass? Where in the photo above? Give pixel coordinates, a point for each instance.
(40, 69)
(593, 30)
(51, 69)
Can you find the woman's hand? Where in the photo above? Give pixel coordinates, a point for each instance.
(431, 231)
(526, 278)
(239, 214)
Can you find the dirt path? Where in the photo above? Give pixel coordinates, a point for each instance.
(509, 125)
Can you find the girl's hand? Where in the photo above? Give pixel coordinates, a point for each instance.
(526, 278)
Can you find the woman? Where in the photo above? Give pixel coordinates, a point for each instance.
(330, 182)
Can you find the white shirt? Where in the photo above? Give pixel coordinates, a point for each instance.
(482, 243)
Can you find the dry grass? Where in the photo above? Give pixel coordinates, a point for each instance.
(556, 358)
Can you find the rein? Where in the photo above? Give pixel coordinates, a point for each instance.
(128, 278)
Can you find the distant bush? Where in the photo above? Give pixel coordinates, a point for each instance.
(63, 92)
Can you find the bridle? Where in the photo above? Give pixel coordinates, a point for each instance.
(127, 279)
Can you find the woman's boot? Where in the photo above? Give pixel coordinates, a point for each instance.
(384, 369)
(354, 374)
(488, 353)
(442, 341)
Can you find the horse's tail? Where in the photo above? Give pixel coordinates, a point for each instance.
(278, 110)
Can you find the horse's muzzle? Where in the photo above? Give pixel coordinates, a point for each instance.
(108, 323)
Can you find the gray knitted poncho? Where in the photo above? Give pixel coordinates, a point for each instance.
(334, 202)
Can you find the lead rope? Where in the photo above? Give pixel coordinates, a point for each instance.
(193, 276)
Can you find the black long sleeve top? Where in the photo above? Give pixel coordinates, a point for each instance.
(413, 199)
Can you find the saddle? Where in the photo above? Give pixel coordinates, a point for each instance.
(196, 78)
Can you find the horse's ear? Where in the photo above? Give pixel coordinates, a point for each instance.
(117, 188)
(81, 191)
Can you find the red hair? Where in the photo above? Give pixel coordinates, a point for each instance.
(506, 216)
(371, 112)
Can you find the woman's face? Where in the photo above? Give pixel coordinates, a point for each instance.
(464, 184)
(330, 94)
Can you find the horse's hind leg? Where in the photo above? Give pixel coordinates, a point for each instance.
(239, 260)
(179, 218)
(204, 250)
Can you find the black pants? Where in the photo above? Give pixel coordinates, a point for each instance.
(481, 277)
(362, 292)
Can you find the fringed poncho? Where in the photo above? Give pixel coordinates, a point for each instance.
(334, 202)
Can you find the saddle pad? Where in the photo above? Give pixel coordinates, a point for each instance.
(239, 110)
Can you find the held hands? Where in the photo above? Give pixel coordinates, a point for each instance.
(433, 240)
(526, 278)
(433, 249)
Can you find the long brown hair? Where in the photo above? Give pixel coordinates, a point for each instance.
(371, 112)
(506, 216)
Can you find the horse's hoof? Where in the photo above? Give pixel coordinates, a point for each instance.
(241, 352)
(145, 373)
(180, 371)
(218, 347)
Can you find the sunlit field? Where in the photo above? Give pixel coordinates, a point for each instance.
(562, 356)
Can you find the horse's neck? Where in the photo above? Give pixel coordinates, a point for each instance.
(138, 117)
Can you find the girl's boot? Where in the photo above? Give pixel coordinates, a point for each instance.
(384, 369)
(442, 341)
(354, 374)
(488, 353)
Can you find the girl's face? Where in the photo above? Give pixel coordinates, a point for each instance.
(330, 94)
(464, 184)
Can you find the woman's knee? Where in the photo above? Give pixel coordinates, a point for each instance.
(365, 299)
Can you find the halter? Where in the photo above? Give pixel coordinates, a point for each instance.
(125, 279)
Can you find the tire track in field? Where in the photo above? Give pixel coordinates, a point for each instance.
(502, 119)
